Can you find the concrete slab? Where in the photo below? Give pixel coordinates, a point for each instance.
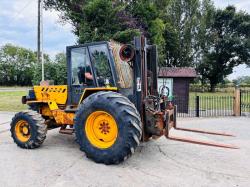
(59, 162)
(5, 118)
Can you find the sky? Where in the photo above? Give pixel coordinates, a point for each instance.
(18, 25)
(244, 5)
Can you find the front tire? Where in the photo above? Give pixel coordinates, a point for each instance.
(108, 127)
(28, 129)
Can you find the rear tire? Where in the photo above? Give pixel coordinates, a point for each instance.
(28, 129)
(128, 124)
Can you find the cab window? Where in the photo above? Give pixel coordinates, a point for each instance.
(101, 65)
(81, 69)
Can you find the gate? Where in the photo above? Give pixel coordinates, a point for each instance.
(245, 102)
(205, 106)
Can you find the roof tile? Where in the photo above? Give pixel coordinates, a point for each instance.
(177, 72)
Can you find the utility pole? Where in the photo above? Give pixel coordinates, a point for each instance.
(39, 32)
(40, 57)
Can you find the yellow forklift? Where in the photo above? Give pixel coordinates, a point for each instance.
(111, 102)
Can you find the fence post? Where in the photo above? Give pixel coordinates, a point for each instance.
(197, 106)
(240, 102)
(237, 102)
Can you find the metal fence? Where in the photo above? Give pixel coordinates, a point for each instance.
(245, 102)
(204, 106)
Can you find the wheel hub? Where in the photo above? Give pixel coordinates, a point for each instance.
(25, 130)
(22, 131)
(101, 129)
(104, 127)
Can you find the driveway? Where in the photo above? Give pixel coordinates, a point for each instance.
(59, 162)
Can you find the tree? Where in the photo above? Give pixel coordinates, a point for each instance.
(19, 67)
(207, 13)
(242, 80)
(150, 21)
(229, 45)
(48, 70)
(96, 20)
(61, 70)
(16, 65)
(55, 70)
(183, 17)
(121, 20)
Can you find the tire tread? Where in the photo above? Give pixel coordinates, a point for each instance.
(39, 123)
(130, 116)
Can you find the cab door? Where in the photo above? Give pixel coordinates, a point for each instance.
(79, 65)
(103, 65)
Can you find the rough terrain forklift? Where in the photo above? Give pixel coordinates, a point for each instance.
(111, 102)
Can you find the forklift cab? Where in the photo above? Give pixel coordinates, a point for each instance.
(89, 66)
(130, 68)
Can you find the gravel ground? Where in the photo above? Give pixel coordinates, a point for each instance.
(59, 162)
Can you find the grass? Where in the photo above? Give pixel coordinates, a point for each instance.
(11, 101)
(209, 94)
(245, 101)
(212, 101)
(14, 87)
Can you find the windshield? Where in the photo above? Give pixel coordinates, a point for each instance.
(101, 64)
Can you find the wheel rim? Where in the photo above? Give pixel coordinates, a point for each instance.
(101, 129)
(22, 130)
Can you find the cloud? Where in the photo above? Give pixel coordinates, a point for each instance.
(240, 4)
(241, 70)
(18, 25)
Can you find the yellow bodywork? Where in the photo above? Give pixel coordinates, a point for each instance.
(63, 118)
(88, 91)
(58, 94)
(54, 96)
